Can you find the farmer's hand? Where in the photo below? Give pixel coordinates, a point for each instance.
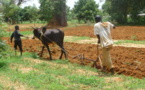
(33, 37)
(26, 37)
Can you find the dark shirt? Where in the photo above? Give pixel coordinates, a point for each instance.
(16, 35)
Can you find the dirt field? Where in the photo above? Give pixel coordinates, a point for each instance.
(120, 33)
(127, 60)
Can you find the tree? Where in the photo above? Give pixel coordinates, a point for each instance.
(119, 9)
(29, 13)
(86, 10)
(70, 14)
(136, 8)
(11, 10)
(54, 12)
(16, 2)
(19, 2)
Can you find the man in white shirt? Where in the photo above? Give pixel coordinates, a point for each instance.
(103, 32)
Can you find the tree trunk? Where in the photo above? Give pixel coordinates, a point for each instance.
(60, 17)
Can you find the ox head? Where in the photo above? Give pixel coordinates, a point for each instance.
(36, 32)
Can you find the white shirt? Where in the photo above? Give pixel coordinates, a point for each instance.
(104, 31)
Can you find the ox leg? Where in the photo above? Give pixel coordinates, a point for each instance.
(42, 51)
(49, 52)
(62, 52)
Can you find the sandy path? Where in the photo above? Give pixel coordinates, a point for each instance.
(94, 41)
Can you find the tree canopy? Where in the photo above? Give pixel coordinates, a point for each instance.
(12, 11)
(86, 10)
(120, 9)
(53, 11)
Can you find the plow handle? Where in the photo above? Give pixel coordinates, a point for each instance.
(98, 59)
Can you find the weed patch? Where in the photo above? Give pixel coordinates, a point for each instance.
(75, 38)
(129, 41)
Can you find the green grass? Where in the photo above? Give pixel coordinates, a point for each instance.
(129, 41)
(8, 34)
(59, 75)
(75, 23)
(26, 32)
(36, 22)
(75, 38)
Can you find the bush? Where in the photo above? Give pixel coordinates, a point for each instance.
(3, 45)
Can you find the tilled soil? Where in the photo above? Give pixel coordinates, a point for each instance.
(128, 61)
(119, 33)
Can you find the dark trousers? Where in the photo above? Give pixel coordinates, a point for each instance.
(19, 44)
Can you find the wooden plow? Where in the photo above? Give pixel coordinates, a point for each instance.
(81, 58)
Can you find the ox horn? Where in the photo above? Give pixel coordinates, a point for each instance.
(32, 27)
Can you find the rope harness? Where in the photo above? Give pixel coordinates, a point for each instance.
(41, 35)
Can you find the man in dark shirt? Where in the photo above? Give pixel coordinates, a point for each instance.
(17, 39)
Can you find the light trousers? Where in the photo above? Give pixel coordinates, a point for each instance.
(106, 60)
